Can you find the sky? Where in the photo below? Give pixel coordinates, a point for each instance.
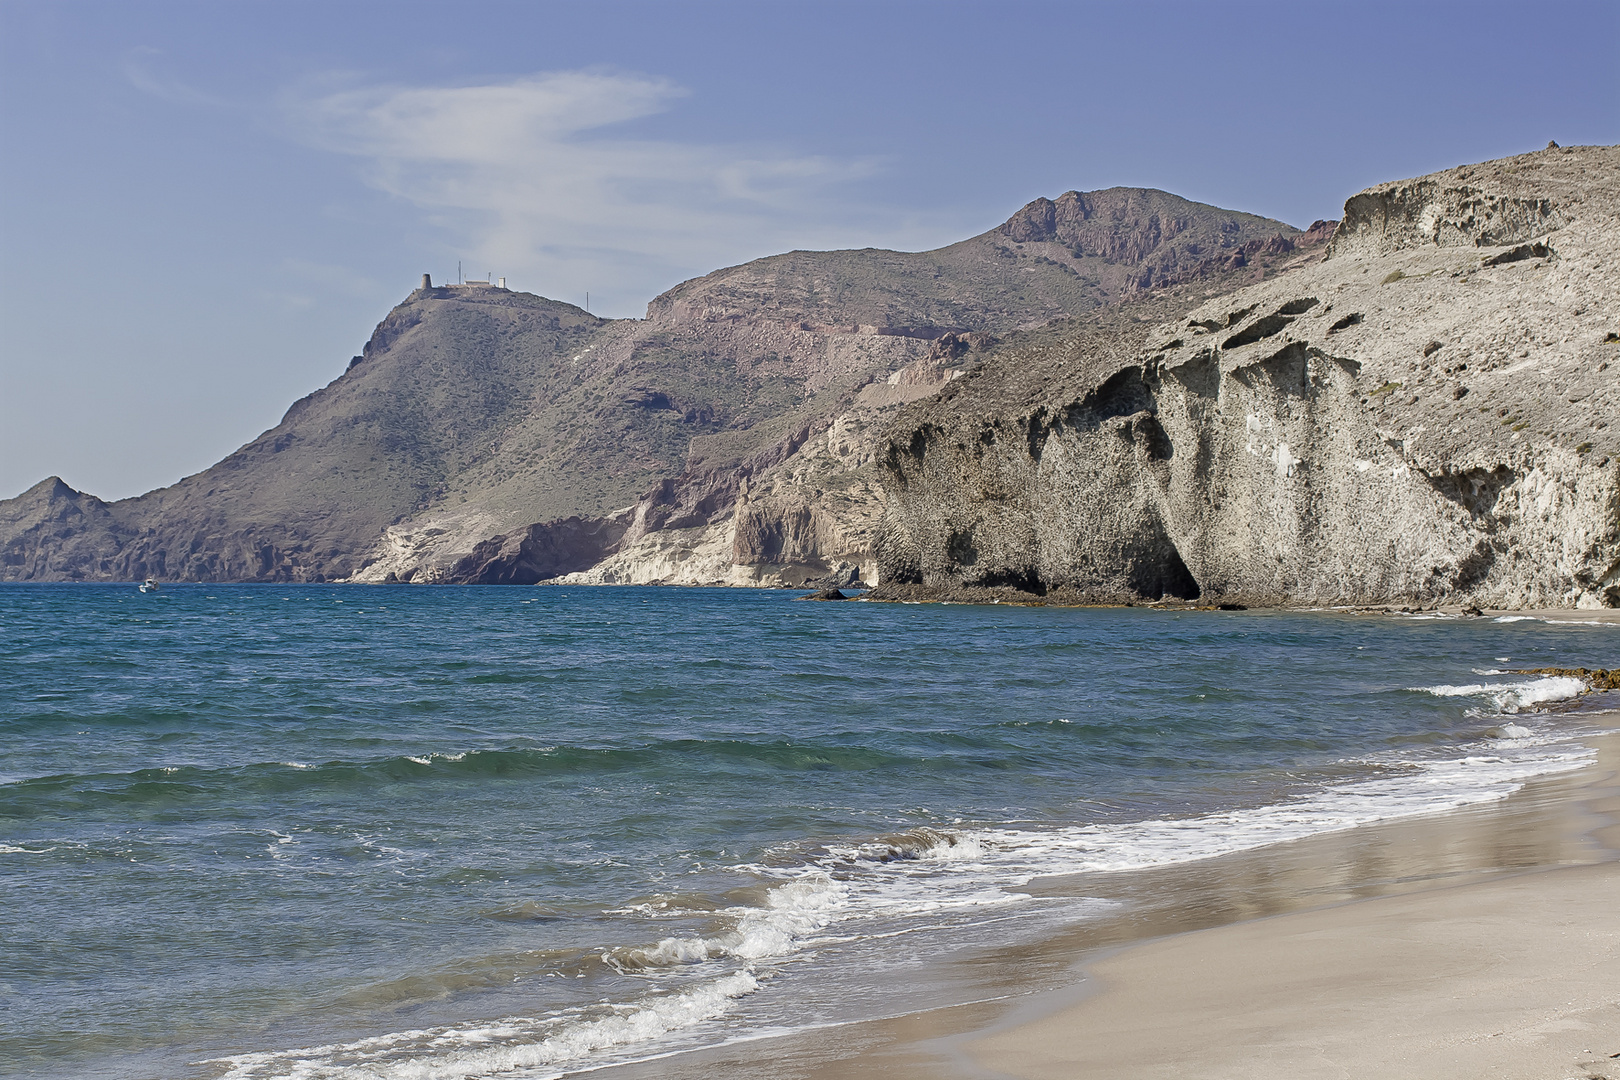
(205, 208)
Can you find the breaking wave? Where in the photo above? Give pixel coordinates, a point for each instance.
(458, 1051)
(1511, 697)
(846, 892)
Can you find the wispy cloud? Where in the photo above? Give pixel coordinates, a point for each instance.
(533, 180)
(141, 66)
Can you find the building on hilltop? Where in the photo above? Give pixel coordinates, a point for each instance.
(427, 283)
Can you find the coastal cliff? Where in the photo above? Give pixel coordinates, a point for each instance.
(1113, 397)
(490, 436)
(1427, 414)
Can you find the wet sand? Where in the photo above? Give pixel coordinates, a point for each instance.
(1516, 978)
(1479, 942)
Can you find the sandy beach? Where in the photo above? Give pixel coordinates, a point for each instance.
(1506, 976)
(1483, 942)
(1512, 978)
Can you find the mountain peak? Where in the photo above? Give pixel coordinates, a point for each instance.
(1123, 224)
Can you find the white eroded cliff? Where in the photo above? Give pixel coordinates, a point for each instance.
(1426, 414)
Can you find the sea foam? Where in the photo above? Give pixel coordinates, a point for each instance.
(458, 1051)
(924, 879)
(1510, 697)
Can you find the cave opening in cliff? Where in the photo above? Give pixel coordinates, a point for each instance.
(1164, 576)
(1024, 580)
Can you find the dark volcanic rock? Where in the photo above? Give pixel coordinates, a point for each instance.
(53, 533)
(1165, 239)
(1320, 232)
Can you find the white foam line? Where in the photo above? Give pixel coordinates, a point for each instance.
(1510, 697)
(986, 868)
(1156, 843)
(850, 894)
(792, 912)
(758, 1035)
(462, 1051)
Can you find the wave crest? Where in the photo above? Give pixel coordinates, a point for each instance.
(1511, 697)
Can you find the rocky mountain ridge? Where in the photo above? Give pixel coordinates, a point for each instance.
(485, 435)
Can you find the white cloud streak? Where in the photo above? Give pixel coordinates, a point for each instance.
(535, 185)
(140, 67)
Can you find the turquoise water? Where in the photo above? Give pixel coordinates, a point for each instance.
(327, 831)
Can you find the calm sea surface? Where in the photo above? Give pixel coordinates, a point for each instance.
(327, 831)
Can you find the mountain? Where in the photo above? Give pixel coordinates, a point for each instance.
(488, 435)
(1430, 414)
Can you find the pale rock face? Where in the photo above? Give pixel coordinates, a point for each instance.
(424, 551)
(698, 556)
(1427, 414)
(809, 519)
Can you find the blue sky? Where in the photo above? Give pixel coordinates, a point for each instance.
(206, 207)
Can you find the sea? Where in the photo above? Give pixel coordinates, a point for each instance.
(318, 831)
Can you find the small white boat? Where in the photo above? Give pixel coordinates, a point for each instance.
(149, 585)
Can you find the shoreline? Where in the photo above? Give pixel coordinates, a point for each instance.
(987, 596)
(1512, 971)
(1010, 597)
(926, 825)
(1250, 964)
(1514, 976)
